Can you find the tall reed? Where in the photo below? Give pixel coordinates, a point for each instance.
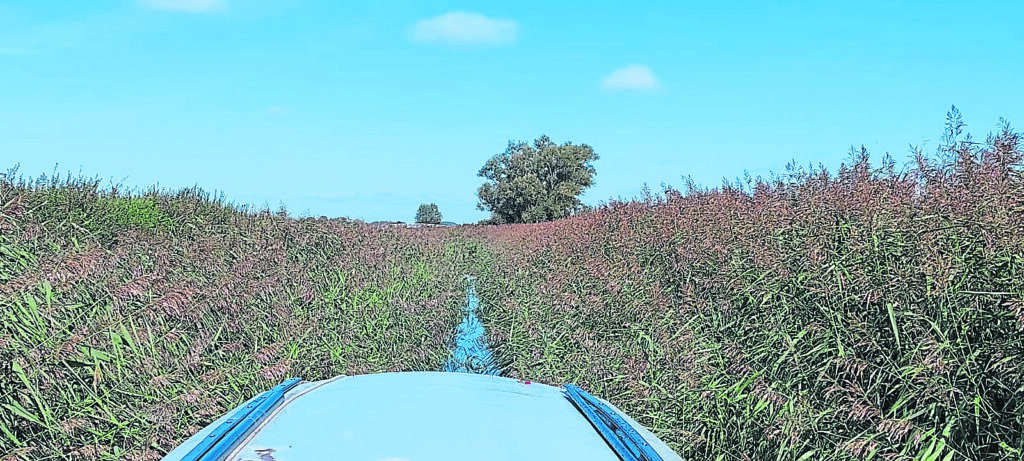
(867, 313)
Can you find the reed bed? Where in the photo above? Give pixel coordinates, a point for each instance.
(132, 320)
(869, 313)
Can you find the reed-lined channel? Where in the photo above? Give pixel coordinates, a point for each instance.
(471, 353)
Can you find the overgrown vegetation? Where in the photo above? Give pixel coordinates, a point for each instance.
(869, 314)
(865, 314)
(130, 321)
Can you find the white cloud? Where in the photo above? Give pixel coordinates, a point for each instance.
(631, 77)
(463, 28)
(191, 6)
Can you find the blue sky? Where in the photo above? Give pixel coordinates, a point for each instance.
(368, 110)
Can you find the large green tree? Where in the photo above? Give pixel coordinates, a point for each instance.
(536, 182)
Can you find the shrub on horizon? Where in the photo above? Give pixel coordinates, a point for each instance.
(428, 213)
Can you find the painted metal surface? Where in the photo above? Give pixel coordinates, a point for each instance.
(424, 416)
(180, 451)
(428, 416)
(225, 435)
(619, 433)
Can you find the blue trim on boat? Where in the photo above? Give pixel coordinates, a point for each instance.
(619, 433)
(225, 435)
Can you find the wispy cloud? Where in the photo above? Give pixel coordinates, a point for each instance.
(190, 6)
(631, 77)
(462, 28)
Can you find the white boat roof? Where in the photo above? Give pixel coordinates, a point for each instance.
(420, 416)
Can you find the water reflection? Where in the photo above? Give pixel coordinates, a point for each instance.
(471, 354)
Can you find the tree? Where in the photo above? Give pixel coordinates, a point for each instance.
(535, 183)
(428, 214)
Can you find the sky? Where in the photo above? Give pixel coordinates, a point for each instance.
(367, 109)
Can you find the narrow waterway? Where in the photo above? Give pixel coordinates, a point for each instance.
(471, 354)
